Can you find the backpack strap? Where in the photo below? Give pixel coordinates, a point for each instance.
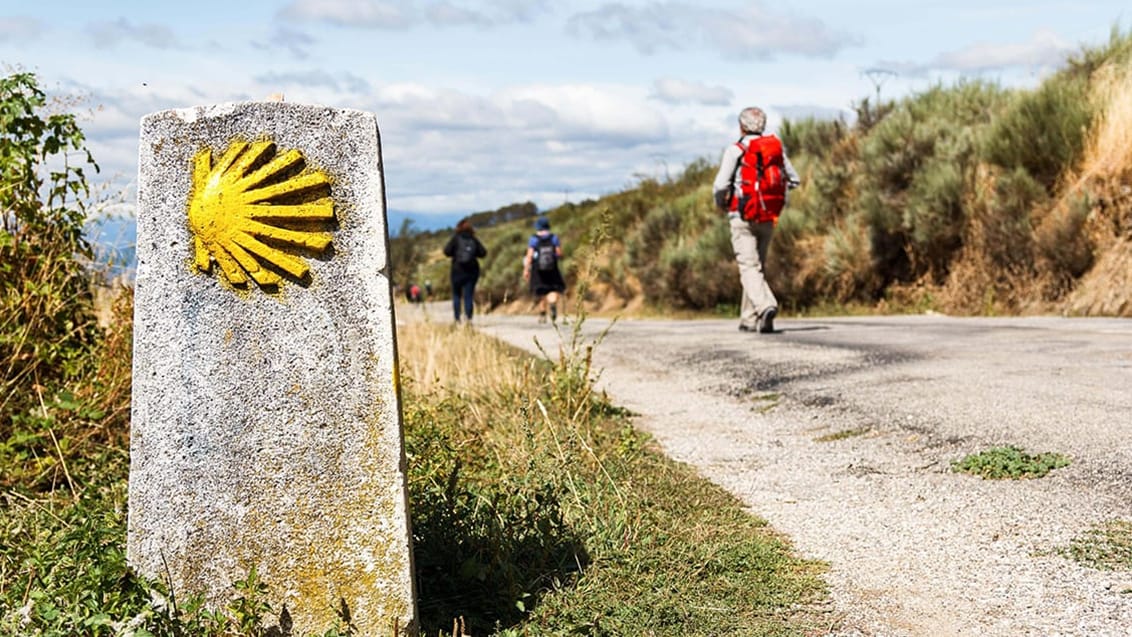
(734, 173)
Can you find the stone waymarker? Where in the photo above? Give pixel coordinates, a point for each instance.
(266, 426)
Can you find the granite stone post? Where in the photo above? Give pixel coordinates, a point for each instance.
(266, 425)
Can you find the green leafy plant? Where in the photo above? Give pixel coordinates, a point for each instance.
(1106, 546)
(1009, 462)
(1043, 131)
(47, 327)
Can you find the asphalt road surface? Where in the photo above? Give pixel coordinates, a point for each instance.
(841, 432)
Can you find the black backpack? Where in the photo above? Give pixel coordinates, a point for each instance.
(546, 258)
(466, 249)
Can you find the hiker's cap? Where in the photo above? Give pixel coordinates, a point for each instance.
(542, 223)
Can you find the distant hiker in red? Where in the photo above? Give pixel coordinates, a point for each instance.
(540, 267)
(465, 250)
(754, 175)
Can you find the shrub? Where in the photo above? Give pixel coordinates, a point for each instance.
(1043, 131)
(916, 165)
(813, 137)
(700, 274)
(643, 248)
(46, 315)
(1063, 245)
(47, 324)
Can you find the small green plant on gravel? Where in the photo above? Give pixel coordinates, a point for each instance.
(1009, 462)
(843, 434)
(1107, 546)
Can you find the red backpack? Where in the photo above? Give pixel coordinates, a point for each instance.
(760, 180)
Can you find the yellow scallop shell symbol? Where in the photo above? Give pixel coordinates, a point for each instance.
(252, 210)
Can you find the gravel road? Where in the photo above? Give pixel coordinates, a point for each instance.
(913, 547)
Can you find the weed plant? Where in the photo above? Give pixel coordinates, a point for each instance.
(1009, 462)
(1106, 546)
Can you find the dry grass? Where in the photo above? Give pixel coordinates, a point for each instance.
(451, 359)
(537, 505)
(1105, 171)
(1108, 153)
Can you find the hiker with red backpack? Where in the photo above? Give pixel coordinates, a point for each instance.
(754, 176)
(540, 268)
(465, 250)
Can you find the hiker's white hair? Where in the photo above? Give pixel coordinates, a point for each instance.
(752, 120)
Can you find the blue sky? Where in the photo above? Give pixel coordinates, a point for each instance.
(481, 104)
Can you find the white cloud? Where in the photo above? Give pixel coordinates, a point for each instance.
(446, 13)
(379, 14)
(797, 112)
(519, 10)
(592, 112)
(758, 31)
(431, 110)
(753, 30)
(352, 13)
(674, 91)
(337, 82)
(1044, 50)
(449, 150)
(107, 35)
(19, 29)
(297, 43)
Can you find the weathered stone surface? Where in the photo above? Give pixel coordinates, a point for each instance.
(266, 425)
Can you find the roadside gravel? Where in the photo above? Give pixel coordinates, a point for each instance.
(914, 548)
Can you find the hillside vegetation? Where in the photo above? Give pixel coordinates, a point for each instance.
(964, 199)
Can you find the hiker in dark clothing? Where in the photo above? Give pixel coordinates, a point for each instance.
(465, 250)
(540, 269)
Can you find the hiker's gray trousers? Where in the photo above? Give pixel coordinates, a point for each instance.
(751, 242)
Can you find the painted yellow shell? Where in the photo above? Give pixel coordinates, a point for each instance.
(252, 209)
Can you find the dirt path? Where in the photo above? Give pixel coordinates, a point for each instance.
(913, 548)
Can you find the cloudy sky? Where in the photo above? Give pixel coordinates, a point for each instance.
(484, 103)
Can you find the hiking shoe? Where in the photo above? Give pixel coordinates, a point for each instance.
(766, 320)
(745, 328)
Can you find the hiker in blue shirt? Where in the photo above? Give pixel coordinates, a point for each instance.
(465, 250)
(540, 268)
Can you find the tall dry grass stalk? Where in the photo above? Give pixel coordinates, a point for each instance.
(446, 358)
(1108, 153)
